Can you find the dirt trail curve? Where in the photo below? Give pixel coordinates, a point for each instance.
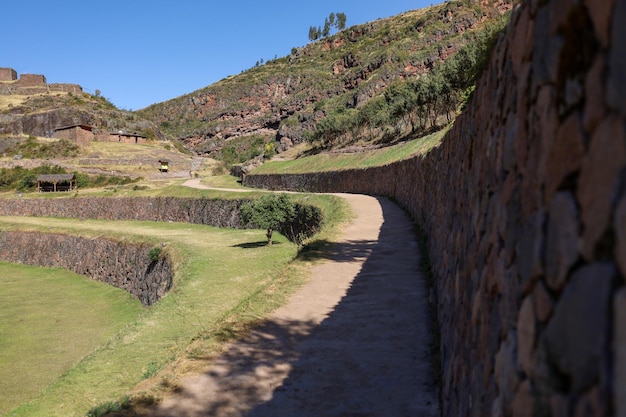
(354, 341)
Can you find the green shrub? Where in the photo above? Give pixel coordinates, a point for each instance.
(154, 254)
(109, 407)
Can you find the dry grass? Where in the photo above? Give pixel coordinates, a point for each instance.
(6, 102)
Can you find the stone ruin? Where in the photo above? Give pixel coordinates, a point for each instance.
(28, 84)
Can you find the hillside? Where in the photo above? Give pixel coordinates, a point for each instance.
(40, 113)
(285, 99)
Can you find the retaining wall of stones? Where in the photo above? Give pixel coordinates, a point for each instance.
(124, 265)
(211, 212)
(129, 266)
(218, 213)
(524, 205)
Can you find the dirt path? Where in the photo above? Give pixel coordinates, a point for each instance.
(352, 342)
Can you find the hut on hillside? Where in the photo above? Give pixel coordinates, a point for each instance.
(56, 182)
(125, 137)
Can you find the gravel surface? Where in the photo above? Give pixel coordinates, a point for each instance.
(354, 341)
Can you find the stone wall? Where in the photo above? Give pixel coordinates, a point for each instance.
(211, 212)
(65, 88)
(29, 84)
(218, 213)
(524, 206)
(75, 134)
(123, 265)
(32, 80)
(8, 74)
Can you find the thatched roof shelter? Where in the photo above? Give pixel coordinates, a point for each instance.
(56, 182)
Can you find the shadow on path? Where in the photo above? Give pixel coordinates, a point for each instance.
(353, 342)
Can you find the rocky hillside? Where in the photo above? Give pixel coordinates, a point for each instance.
(287, 97)
(40, 114)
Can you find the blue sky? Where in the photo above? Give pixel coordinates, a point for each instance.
(140, 52)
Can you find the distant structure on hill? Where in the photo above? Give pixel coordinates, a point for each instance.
(84, 134)
(28, 84)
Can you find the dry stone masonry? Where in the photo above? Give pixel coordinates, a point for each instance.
(28, 84)
(524, 205)
(211, 212)
(121, 264)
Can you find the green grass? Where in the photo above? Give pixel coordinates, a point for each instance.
(49, 320)
(225, 281)
(337, 161)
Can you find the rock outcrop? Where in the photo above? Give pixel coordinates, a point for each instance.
(280, 99)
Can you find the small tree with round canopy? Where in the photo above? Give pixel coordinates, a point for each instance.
(268, 212)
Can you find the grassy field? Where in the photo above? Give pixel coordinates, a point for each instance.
(342, 161)
(49, 320)
(225, 281)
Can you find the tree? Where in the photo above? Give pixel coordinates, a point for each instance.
(340, 21)
(334, 20)
(314, 33)
(268, 212)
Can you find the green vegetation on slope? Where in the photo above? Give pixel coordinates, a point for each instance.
(413, 105)
(322, 91)
(33, 149)
(342, 161)
(25, 179)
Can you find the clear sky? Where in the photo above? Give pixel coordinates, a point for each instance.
(139, 52)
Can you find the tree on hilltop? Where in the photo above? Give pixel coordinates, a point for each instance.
(334, 20)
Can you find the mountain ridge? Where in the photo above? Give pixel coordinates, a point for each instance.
(284, 99)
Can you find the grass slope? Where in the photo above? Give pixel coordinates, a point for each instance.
(343, 161)
(225, 281)
(49, 320)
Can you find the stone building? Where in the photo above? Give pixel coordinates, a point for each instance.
(8, 74)
(79, 134)
(32, 80)
(122, 137)
(28, 84)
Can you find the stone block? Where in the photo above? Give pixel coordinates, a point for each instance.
(600, 14)
(619, 352)
(595, 94)
(562, 243)
(559, 406)
(523, 403)
(565, 155)
(526, 328)
(599, 179)
(620, 236)
(529, 251)
(505, 368)
(576, 337)
(616, 85)
(543, 302)
(521, 45)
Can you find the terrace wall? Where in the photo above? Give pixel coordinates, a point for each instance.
(216, 213)
(121, 264)
(524, 206)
